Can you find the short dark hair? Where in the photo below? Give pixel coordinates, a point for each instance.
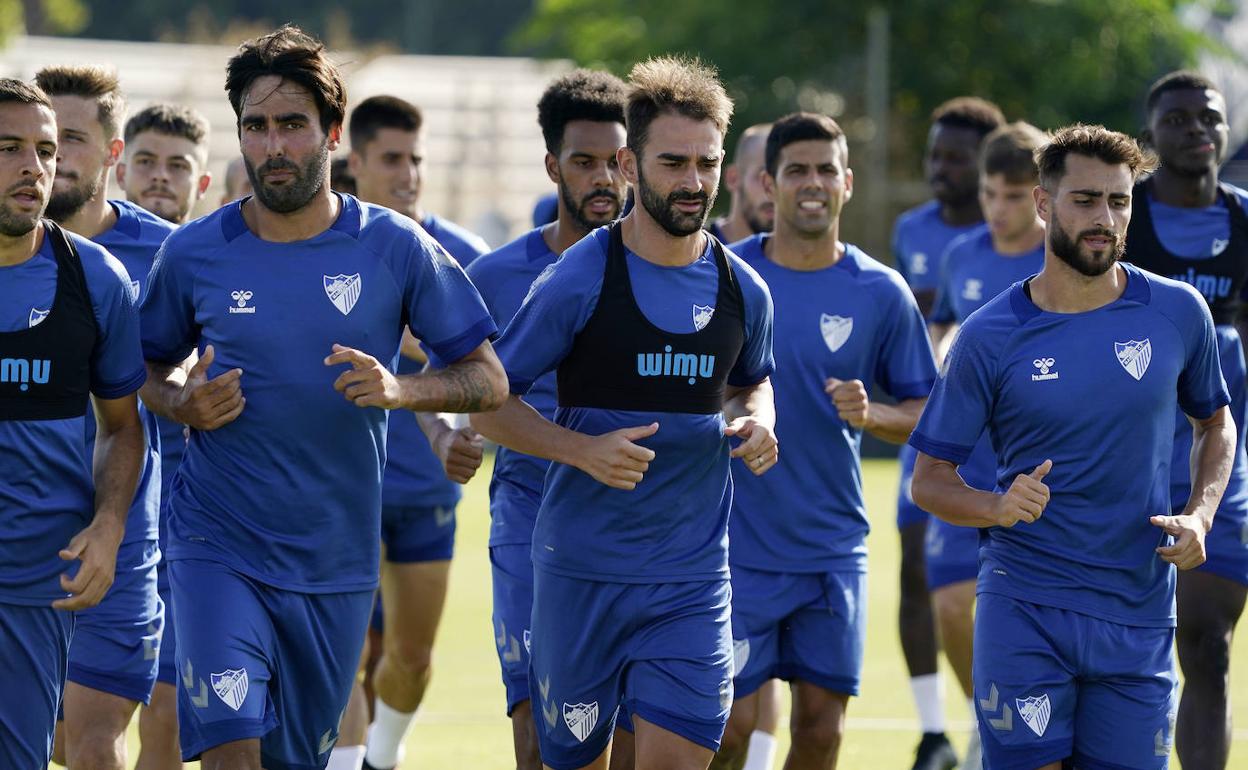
(1179, 80)
(90, 81)
(1096, 142)
(979, 115)
(667, 84)
(13, 91)
(579, 95)
(377, 112)
(1011, 152)
(290, 54)
(801, 127)
(171, 120)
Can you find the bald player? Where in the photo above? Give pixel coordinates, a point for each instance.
(750, 211)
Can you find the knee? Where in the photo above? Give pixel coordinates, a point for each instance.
(97, 750)
(952, 603)
(735, 741)
(414, 659)
(820, 734)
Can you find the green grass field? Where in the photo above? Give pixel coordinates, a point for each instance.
(462, 724)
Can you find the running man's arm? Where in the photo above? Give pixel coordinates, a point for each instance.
(119, 450)
(750, 412)
(937, 488)
(474, 383)
(183, 393)
(890, 422)
(1213, 451)
(941, 335)
(460, 450)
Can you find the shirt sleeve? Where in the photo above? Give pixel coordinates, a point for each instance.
(1202, 390)
(906, 367)
(168, 312)
(117, 361)
(960, 404)
(444, 310)
(756, 362)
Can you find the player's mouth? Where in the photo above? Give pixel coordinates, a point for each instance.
(27, 196)
(604, 205)
(1098, 242)
(814, 206)
(404, 195)
(279, 176)
(165, 194)
(690, 206)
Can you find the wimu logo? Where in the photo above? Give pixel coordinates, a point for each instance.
(669, 364)
(23, 371)
(1210, 286)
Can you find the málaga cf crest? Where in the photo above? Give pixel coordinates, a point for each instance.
(581, 718)
(702, 316)
(1035, 712)
(835, 330)
(231, 686)
(343, 291)
(1134, 356)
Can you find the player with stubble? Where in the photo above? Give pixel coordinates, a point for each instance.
(660, 340)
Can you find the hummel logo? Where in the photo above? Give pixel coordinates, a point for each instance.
(973, 289)
(1044, 365)
(241, 298)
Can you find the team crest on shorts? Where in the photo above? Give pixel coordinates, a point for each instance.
(231, 686)
(740, 655)
(1134, 356)
(343, 291)
(581, 718)
(36, 316)
(1035, 712)
(702, 316)
(835, 329)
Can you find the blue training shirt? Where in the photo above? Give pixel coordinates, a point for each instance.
(46, 491)
(414, 475)
(973, 272)
(290, 492)
(1095, 392)
(503, 277)
(853, 320)
(920, 237)
(673, 526)
(1194, 233)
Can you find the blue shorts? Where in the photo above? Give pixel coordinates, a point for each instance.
(810, 627)
(664, 651)
(116, 645)
(1052, 684)
(256, 661)
(167, 671)
(511, 567)
(951, 553)
(413, 534)
(34, 654)
(907, 512)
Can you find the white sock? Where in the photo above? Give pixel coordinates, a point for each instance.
(762, 751)
(346, 758)
(386, 734)
(929, 700)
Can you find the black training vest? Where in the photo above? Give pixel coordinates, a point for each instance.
(1219, 278)
(45, 370)
(622, 361)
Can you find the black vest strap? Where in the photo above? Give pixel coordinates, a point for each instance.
(1219, 278)
(45, 369)
(621, 361)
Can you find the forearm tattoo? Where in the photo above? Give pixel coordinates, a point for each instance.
(466, 388)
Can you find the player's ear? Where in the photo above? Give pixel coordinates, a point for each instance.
(732, 177)
(628, 162)
(335, 136)
(552, 167)
(201, 186)
(121, 174)
(115, 148)
(849, 184)
(1043, 201)
(769, 183)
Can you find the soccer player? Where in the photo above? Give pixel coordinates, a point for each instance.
(68, 329)
(660, 341)
(114, 660)
(275, 514)
(975, 268)
(1189, 227)
(165, 171)
(237, 183)
(920, 236)
(418, 500)
(749, 211)
(798, 535)
(582, 119)
(1076, 374)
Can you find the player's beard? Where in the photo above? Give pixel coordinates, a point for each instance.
(663, 209)
(64, 205)
(180, 209)
(296, 193)
(1070, 251)
(579, 211)
(14, 224)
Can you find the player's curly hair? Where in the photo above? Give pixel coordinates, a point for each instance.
(667, 84)
(90, 81)
(291, 54)
(979, 115)
(1011, 151)
(1096, 142)
(1179, 80)
(170, 119)
(582, 94)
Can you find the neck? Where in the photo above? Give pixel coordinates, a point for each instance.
(961, 214)
(93, 218)
(313, 219)
(1184, 191)
(1017, 245)
(734, 227)
(645, 238)
(788, 248)
(562, 233)
(16, 249)
(1059, 288)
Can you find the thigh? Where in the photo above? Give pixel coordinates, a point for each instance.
(116, 647)
(414, 594)
(34, 654)
(1026, 690)
(1209, 608)
(414, 534)
(511, 570)
(658, 748)
(822, 642)
(951, 554)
